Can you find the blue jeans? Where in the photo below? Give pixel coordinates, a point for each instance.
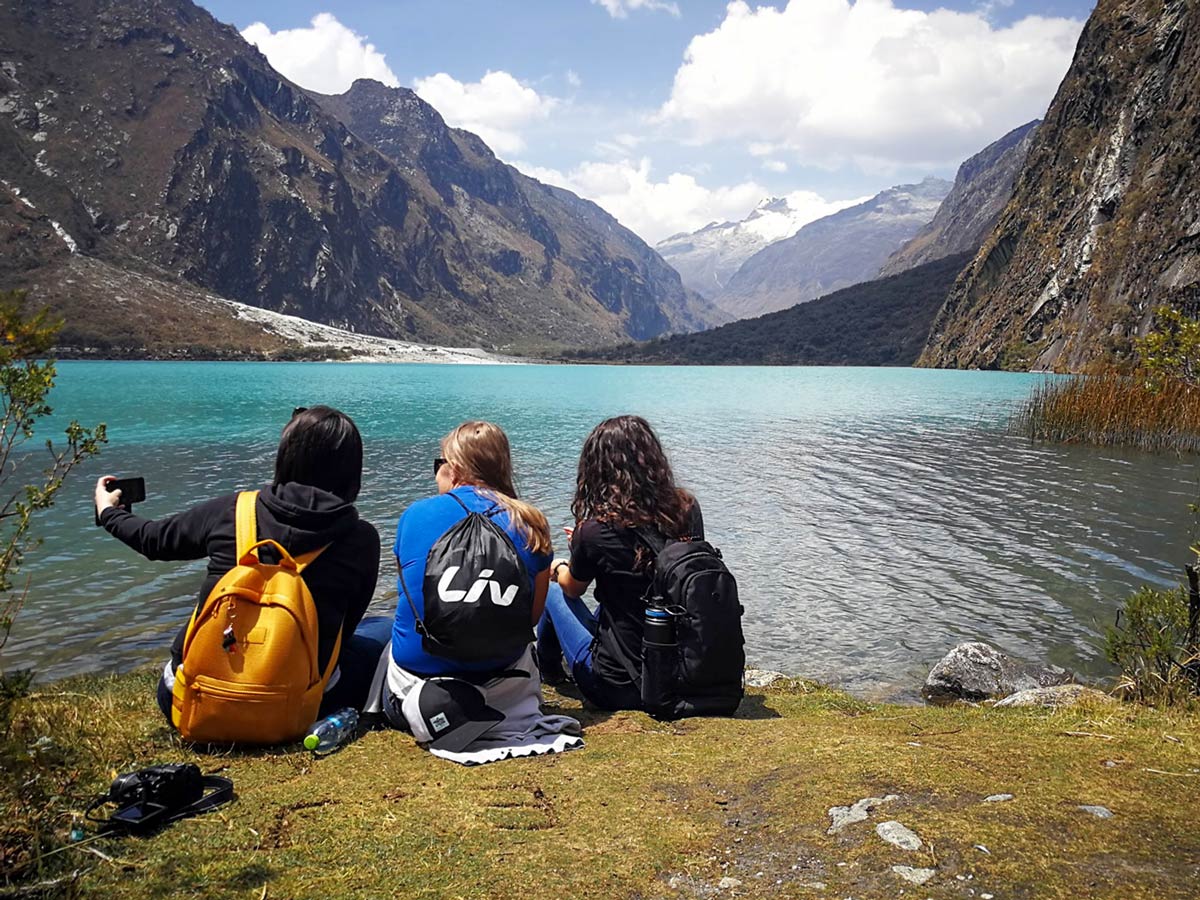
(356, 662)
(568, 630)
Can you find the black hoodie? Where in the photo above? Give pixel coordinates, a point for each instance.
(298, 516)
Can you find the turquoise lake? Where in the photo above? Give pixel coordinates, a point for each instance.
(873, 517)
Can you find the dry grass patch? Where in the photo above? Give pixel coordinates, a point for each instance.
(1112, 409)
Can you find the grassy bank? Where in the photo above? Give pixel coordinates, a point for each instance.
(648, 809)
(1114, 410)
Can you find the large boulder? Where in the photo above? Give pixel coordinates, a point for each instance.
(977, 671)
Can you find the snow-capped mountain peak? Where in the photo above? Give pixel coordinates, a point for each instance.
(707, 259)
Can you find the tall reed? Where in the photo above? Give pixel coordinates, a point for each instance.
(1114, 409)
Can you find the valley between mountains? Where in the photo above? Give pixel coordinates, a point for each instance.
(156, 172)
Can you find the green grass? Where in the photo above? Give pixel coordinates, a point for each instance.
(647, 809)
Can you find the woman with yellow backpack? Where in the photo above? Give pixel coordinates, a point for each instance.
(278, 636)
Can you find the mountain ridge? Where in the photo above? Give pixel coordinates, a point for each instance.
(844, 248)
(707, 258)
(158, 138)
(884, 322)
(982, 188)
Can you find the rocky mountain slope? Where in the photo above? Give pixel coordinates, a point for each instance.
(1104, 223)
(879, 323)
(845, 248)
(160, 142)
(525, 231)
(708, 258)
(982, 188)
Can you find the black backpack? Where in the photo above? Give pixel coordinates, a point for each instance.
(702, 674)
(478, 600)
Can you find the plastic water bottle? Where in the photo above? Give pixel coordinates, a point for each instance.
(333, 731)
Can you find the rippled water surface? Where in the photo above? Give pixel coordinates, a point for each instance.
(874, 517)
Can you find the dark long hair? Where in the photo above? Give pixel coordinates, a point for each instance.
(321, 447)
(625, 479)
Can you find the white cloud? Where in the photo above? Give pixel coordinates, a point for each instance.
(573, 78)
(832, 81)
(326, 57)
(653, 209)
(775, 165)
(496, 107)
(620, 9)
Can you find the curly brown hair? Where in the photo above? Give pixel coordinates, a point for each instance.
(625, 479)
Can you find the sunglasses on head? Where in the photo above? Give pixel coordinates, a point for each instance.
(438, 462)
(298, 410)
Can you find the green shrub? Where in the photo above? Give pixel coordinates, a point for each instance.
(30, 807)
(1172, 350)
(1152, 646)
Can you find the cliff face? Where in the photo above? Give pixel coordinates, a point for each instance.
(845, 248)
(982, 188)
(157, 139)
(1104, 223)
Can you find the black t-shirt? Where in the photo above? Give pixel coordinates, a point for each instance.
(301, 518)
(609, 555)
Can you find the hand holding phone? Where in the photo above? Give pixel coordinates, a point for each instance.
(118, 492)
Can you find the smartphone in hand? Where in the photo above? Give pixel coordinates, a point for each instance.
(133, 490)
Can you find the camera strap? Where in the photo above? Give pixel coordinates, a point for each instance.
(217, 792)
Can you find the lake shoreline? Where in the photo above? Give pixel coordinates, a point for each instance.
(1003, 802)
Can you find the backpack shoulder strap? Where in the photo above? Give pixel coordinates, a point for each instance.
(418, 622)
(246, 523)
(246, 527)
(615, 651)
(653, 538)
(487, 513)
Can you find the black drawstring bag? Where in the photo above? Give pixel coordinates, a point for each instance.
(477, 595)
(155, 796)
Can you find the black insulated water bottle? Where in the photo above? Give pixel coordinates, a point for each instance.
(660, 660)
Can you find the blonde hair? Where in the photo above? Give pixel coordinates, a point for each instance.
(481, 452)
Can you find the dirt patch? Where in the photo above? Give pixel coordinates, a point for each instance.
(280, 834)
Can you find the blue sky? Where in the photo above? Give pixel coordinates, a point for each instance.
(672, 114)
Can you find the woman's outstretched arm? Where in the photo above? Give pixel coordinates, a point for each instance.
(181, 536)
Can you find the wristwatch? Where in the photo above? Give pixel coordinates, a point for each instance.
(558, 565)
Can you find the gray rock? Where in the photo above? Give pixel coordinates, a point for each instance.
(728, 883)
(1100, 812)
(762, 677)
(998, 798)
(1060, 695)
(914, 876)
(898, 836)
(976, 671)
(848, 815)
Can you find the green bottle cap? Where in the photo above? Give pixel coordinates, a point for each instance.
(311, 742)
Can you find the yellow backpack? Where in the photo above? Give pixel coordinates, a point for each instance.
(249, 672)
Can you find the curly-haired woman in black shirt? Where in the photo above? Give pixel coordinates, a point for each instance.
(624, 485)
